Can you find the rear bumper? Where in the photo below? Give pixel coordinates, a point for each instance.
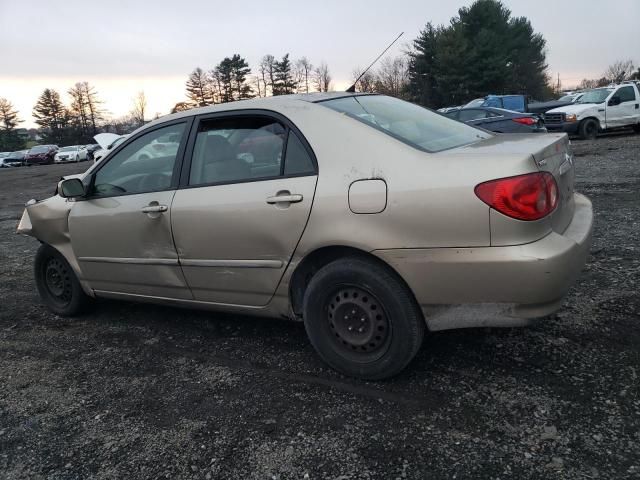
(567, 127)
(496, 286)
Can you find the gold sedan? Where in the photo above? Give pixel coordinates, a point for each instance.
(368, 218)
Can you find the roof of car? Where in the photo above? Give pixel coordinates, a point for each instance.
(267, 103)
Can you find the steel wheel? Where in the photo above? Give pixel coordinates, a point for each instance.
(359, 325)
(58, 281)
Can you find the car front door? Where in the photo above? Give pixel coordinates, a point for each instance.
(121, 231)
(621, 107)
(244, 204)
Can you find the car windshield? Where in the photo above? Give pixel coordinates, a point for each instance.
(595, 96)
(39, 149)
(412, 124)
(67, 149)
(566, 98)
(117, 141)
(478, 102)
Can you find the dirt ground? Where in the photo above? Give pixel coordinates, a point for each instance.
(136, 391)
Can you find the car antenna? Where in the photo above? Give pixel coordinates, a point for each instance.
(352, 88)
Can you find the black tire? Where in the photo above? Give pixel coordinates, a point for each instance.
(380, 327)
(588, 129)
(57, 284)
(636, 128)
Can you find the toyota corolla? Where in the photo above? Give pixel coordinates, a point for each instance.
(370, 219)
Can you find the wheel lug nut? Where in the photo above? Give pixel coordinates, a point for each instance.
(361, 330)
(350, 328)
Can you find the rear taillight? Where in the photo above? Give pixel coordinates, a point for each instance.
(525, 120)
(525, 197)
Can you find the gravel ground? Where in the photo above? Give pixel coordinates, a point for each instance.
(137, 391)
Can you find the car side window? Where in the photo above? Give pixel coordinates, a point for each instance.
(146, 164)
(237, 149)
(626, 94)
(471, 114)
(297, 161)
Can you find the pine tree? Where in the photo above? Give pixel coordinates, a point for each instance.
(482, 51)
(9, 139)
(284, 83)
(239, 72)
(223, 76)
(198, 88)
(51, 115)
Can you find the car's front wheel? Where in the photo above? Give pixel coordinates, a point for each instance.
(588, 129)
(57, 284)
(361, 319)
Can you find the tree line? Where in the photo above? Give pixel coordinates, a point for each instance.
(232, 79)
(482, 50)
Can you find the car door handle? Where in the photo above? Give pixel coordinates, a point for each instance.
(155, 209)
(286, 198)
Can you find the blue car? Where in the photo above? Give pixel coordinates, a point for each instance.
(499, 120)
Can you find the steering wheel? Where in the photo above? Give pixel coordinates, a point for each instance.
(153, 181)
(108, 188)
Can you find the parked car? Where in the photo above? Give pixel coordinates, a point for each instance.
(499, 120)
(598, 110)
(14, 159)
(368, 218)
(516, 103)
(4, 154)
(542, 107)
(91, 149)
(41, 155)
(73, 153)
(107, 142)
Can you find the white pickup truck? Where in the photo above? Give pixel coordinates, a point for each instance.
(598, 110)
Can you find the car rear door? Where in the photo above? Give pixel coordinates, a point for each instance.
(121, 232)
(246, 194)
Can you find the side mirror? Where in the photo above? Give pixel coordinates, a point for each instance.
(614, 101)
(71, 187)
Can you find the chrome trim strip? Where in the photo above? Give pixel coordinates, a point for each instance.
(131, 261)
(232, 263)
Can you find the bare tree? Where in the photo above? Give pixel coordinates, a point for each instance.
(139, 107)
(393, 77)
(303, 71)
(322, 78)
(367, 82)
(258, 85)
(619, 71)
(268, 73)
(181, 107)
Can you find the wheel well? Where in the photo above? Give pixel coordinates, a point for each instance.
(591, 118)
(317, 259)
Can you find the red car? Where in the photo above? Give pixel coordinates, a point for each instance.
(40, 155)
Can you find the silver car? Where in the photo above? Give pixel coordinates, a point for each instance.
(369, 218)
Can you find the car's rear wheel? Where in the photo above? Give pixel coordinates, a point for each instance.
(588, 129)
(361, 319)
(57, 283)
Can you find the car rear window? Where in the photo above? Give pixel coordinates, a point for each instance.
(417, 126)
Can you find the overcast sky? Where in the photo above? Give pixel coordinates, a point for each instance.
(122, 47)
